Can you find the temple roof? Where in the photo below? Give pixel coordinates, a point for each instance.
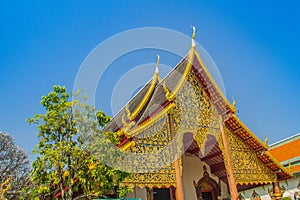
(287, 152)
(157, 94)
(155, 98)
(116, 123)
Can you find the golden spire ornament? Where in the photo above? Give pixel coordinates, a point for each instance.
(266, 140)
(193, 36)
(157, 63)
(194, 32)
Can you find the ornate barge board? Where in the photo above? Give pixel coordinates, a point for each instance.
(188, 107)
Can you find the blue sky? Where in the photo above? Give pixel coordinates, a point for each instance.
(255, 45)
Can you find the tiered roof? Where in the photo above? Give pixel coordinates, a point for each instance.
(162, 93)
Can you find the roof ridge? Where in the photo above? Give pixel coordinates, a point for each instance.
(137, 110)
(284, 141)
(128, 102)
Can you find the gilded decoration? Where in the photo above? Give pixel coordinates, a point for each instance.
(241, 197)
(272, 193)
(247, 168)
(150, 145)
(151, 158)
(207, 184)
(255, 196)
(195, 113)
(170, 95)
(152, 154)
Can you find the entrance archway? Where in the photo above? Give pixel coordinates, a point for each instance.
(207, 188)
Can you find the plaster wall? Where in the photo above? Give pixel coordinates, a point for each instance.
(290, 187)
(138, 193)
(193, 171)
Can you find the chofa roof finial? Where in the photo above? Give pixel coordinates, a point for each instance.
(157, 63)
(193, 36)
(194, 32)
(234, 105)
(266, 139)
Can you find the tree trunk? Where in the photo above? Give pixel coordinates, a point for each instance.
(62, 190)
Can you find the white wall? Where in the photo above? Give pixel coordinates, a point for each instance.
(193, 171)
(138, 193)
(290, 186)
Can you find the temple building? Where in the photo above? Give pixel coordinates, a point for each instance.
(183, 140)
(287, 152)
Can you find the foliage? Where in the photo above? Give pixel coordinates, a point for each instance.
(64, 166)
(4, 188)
(123, 191)
(286, 198)
(14, 168)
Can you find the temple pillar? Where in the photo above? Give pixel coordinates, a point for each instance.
(231, 181)
(179, 186)
(172, 192)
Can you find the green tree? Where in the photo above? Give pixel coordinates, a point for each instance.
(63, 165)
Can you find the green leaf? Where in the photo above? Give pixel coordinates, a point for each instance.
(62, 130)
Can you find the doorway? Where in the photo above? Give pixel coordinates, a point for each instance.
(161, 193)
(207, 196)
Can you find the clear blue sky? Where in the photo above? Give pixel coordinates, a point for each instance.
(255, 44)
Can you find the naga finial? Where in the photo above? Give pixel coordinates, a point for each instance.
(167, 91)
(157, 63)
(128, 111)
(124, 123)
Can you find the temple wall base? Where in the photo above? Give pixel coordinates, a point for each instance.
(290, 186)
(138, 193)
